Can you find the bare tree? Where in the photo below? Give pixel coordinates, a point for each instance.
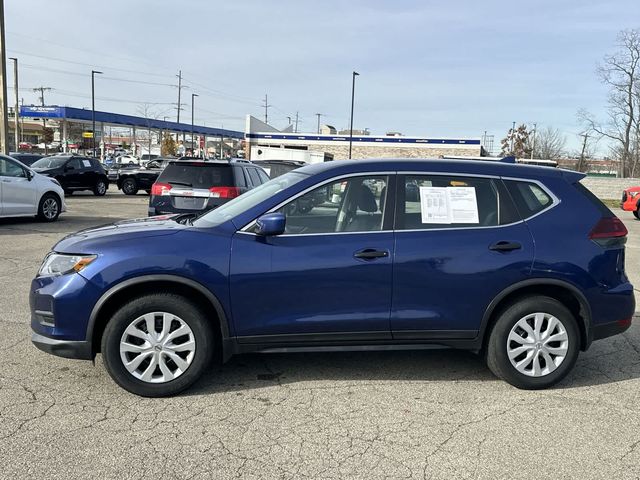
(621, 73)
(549, 144)
(517, 142)
(148, 113)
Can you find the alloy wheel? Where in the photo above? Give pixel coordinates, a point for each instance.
(537, 344)
(50, 208)
(157, 347)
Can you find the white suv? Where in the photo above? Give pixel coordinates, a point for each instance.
(24, 192)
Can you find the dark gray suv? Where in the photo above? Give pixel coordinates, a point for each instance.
(196, 186)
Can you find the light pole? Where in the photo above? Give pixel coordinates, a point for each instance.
(16, 115)
(93, 111)
(353, 91)
(193, 96)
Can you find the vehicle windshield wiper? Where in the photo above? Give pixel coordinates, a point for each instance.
(181, 183)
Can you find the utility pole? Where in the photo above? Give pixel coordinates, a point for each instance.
(584, 147)
(266, 109)
(179, 93)
(296, 129)
(353, 90)
(318, 115)
(16, 113)
(513, 136)
(44, 120)
(4, 125)
(535, 132)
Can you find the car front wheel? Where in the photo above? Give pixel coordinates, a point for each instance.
(49, 208)
(534, 343)
(157, 345)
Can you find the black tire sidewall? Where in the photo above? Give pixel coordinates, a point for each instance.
(97, 192)
(133, 190)
(179, 306)
(41, 214)
(497, 351)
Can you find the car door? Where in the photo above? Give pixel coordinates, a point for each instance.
(72, 174)
(18, 191)
(88, 173)
(459, 242)
(328, 277)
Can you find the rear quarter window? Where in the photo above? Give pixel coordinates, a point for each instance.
(197, 176)
(528, 197)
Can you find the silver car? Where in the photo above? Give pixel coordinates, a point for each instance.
(24, 192)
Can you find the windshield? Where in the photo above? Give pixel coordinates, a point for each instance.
(49, 162)
(248, 200)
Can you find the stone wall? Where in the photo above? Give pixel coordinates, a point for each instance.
(609, 188)
(341, 152)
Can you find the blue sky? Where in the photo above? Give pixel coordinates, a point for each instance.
(428, 68)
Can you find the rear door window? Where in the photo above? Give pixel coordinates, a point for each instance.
(240, 180)
(197, 176)
(439, 201)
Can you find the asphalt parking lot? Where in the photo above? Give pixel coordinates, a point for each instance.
(424, 414)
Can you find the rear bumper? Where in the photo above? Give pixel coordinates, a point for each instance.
(80, 350)
(610, 329)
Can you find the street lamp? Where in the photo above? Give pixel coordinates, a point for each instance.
(93, 111)
(353, 90)
(193, 95)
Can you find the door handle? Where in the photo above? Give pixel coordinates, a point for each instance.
(504, 246)
(371, 254)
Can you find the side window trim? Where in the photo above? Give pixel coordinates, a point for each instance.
(555, 201)
(246, 229)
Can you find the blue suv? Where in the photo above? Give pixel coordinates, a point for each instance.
(521, 264)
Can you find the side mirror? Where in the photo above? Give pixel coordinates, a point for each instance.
(29, 174)
(270, 224)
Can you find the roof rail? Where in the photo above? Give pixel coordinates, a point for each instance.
(508, 159)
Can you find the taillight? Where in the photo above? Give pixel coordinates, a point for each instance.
(609, 232)
(160, 189)
(224, 192)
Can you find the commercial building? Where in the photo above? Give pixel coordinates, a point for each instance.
(261, 137)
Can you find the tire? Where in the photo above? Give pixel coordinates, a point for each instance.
(49, 208)
(509, 322)
(100, 189)
(129, 187)
(129, 318)
(636, 213)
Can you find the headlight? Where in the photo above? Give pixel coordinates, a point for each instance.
(59, 264)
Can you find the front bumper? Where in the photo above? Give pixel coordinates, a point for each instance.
(80, 350)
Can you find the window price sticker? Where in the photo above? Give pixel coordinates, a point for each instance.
(446, 205)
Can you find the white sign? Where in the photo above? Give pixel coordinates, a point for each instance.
(446, 205)
(86, 163)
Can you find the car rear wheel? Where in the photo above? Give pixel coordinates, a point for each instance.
(100, 188)
(534, 343)
(157, 345)
(129, 187)
(49, 208)
(636, 213)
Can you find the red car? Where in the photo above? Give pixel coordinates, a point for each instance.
(631, 201)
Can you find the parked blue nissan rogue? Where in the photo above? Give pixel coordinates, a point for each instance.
(521, 264)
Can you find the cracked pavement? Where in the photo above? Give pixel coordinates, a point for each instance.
(409, 414)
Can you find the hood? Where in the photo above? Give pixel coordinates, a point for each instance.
(93, 240)
(43, 170)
